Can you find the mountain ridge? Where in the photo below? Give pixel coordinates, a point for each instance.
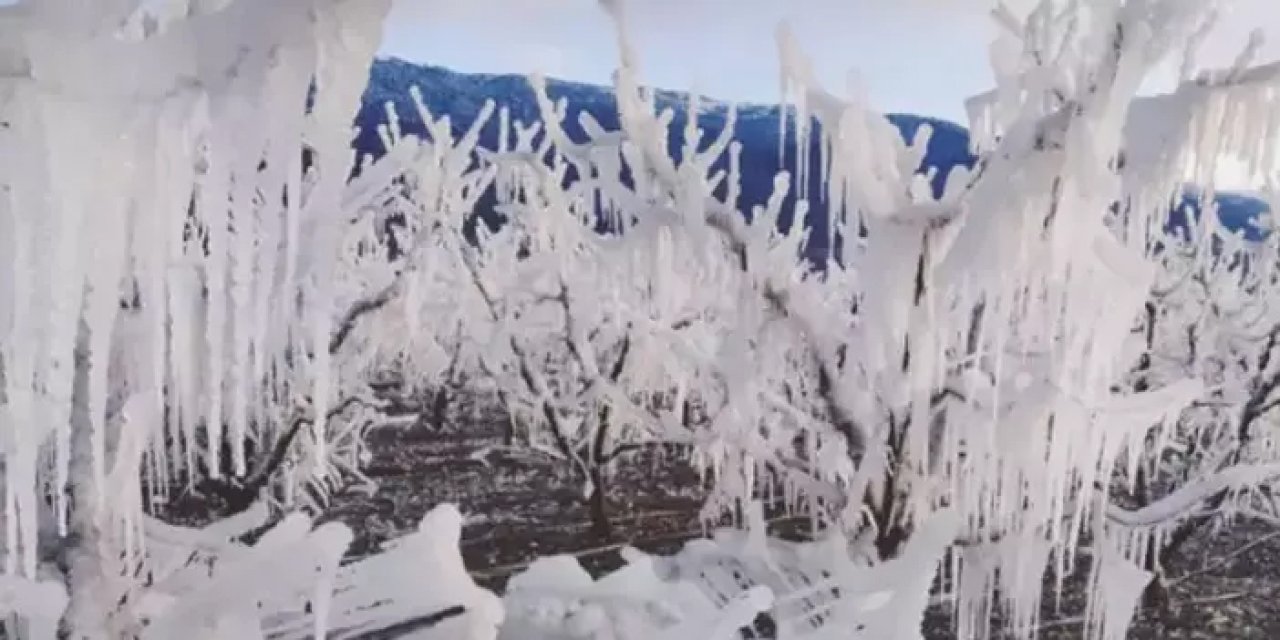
(461, 96)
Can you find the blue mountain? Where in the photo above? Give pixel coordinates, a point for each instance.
(462, 96)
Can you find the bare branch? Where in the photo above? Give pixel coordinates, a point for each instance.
(855, 436)
(363, 307)
(1190, 497)
(241, 494)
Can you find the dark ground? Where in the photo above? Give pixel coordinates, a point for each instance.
(1225, 586)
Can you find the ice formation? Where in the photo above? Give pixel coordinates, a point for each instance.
(166, 293)
(959, 391)
(1007, 270)
(981, 371)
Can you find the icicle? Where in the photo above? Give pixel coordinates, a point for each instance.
(212, 210)
(244, 232)
(797, 81)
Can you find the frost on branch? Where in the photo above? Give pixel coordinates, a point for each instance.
(1210, 319)
(968, 351)
(170, 300)
(990, 355)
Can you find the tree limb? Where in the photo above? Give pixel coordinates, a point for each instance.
(364, 307)
(241, 494)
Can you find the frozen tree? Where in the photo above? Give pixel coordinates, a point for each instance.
(593, 339)
(958, 362)
(1210, 318)
(985, 358)
(976, 368)
(169, 299)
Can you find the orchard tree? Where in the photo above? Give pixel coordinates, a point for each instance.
(975, 372)
(1210, 317)
(169, 300)
(592, 337)
(987, 356)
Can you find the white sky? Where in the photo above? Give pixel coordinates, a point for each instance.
(918, 56)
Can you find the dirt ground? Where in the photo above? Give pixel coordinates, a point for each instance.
(515, 508)
(1225, 587)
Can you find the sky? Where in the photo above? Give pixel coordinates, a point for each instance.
(909, 56)
(915, 56)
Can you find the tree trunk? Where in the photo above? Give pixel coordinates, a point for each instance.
(509, 429)
(440, 407)
(509, 434)
(890, 540)
(598, 503)
(1156, 597)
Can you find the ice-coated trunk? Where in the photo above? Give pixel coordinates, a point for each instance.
(598, 503)
(440, 407)
(81, 554)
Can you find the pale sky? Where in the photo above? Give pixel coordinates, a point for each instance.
(918, 56)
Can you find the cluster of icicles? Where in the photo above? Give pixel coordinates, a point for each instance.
(1012, 296)
(167, 253)
(1029, 245)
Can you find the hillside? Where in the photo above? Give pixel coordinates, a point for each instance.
(461, 97)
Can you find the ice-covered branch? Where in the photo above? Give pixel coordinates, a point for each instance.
(241, 494)
(1183, 502)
